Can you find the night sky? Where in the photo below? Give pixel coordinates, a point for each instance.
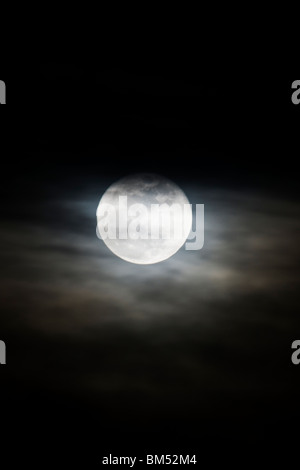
(189, 355)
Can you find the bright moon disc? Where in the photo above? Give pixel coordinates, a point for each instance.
(156, 213)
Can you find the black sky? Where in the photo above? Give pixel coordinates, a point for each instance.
(193, 353)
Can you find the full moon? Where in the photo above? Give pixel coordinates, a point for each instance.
(155, 238)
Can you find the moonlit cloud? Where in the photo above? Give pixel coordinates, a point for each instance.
(199, 312)
(250, 248)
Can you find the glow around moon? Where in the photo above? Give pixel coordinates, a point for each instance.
(151, 191)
